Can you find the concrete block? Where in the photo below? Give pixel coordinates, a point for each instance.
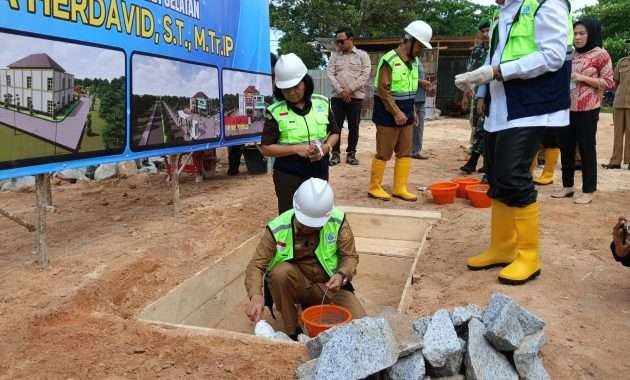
(18, 184)
(442, 348)
(105, 171)
(307, 370)
(72, 175)
(408, 368)
(401, 325)
(528, 363)
(497, 301)
(127, 168)
(420, 326)
(483, 362)
(505, 331)
(531, 323)
(356, 350)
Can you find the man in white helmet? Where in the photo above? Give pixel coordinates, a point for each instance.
(395, 87)
(304, 252)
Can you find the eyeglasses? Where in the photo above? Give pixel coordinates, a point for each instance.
(340, 42)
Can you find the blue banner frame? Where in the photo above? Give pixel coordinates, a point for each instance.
(226, 34)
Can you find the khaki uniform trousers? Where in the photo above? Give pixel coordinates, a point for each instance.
(289, 288)
(621, 148)
(390, 140)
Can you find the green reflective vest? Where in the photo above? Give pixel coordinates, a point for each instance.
(404, 79)
(522, 35)
(282, 230)
(296, 129)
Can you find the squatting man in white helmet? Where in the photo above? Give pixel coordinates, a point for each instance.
(303, 253)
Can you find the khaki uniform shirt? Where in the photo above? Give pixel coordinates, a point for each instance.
(349, 70)
(622, 79)
(303, 257)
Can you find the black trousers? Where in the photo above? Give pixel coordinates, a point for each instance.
(234, 158)
(551, 140)
(508, 156)
(582, 130)
(286, 185)
(351, 111)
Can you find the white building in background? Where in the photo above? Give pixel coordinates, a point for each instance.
(36, 82)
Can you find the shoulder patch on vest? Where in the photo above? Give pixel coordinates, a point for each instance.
(331, 238)
(274, 106)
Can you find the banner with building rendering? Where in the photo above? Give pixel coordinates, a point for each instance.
(84, 82)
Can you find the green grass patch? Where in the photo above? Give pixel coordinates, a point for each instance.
(16, 145)
(94, 143)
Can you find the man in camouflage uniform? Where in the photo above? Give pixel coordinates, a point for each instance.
(477, 111)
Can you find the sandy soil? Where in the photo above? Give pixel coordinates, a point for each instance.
(116, 246)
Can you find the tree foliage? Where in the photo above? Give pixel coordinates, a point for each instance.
(304, 20)
(614, 16)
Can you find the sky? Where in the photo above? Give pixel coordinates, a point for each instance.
(234, 82)
(158, 76)
(79, 60)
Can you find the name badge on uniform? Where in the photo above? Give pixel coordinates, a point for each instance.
(331, 238)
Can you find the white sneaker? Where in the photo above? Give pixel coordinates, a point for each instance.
(583, 199)
(566, 192)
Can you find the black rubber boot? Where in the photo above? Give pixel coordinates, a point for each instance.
(471, 165)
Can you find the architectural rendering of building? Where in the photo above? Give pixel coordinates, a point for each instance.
(199, 103)
(251, 103)
(36, 83)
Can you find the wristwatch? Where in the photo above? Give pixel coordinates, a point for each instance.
(344, 278)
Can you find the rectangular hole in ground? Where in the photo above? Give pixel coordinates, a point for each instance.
(215, 298)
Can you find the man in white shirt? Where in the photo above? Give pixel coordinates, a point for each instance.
(526, 82)
(349, 72)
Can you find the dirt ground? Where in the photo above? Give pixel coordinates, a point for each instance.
(116, 246)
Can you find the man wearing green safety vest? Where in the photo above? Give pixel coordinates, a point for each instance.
(306, 255)
(526, 81)
(395, 87)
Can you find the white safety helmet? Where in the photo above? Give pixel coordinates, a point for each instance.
(421, 31)
(313, 201)
(289, 71)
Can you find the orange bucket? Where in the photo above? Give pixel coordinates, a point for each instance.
(322, 317)
(478, 195)
(443, 192)
(463, 182)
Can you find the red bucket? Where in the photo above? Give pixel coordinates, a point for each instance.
(462, 182)
(478, 195)
(322, 317)
(443, 192)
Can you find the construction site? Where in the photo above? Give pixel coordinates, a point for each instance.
(136, 291)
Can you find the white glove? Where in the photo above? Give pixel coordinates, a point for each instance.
(468, 81)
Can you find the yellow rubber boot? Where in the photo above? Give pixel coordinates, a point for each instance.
(401, 174)
(502, 249)
(375, 190)
(551, 159)
(526, 266)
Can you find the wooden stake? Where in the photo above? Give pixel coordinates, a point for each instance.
(175, 181)
(18, 220)
(42, 207)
